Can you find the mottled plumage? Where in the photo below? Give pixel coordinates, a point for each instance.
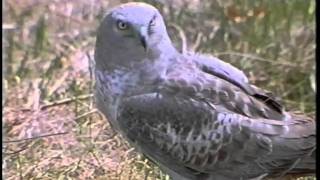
(194, 115)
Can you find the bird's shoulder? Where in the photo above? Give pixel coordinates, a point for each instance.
(215, 66)
(215, 81)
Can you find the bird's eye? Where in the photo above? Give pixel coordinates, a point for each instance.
(122, 25)
(152, 22)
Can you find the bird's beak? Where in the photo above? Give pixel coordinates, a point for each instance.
(143, 35)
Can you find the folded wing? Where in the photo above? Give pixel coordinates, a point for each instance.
(226, 71)
(189, 136)
(203, 125)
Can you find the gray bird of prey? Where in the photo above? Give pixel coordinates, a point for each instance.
(194, 115)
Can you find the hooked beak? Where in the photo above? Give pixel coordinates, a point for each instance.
(143, 35)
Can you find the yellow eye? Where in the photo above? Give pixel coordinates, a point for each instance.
(122, 25)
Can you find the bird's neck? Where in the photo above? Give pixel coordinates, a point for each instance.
(140, 78)
(140, 75)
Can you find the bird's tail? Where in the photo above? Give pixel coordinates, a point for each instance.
(307, 165)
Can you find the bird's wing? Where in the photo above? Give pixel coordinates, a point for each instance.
(190, 136)
(226, 71)
(219, 67)
(205, 123)
(187, 79)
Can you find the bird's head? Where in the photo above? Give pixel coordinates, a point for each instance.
(130, 33)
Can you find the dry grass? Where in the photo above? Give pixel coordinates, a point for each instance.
(51, 127)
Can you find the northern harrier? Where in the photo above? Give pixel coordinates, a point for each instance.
(196, 116)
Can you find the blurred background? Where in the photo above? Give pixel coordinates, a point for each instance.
(50, 125)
